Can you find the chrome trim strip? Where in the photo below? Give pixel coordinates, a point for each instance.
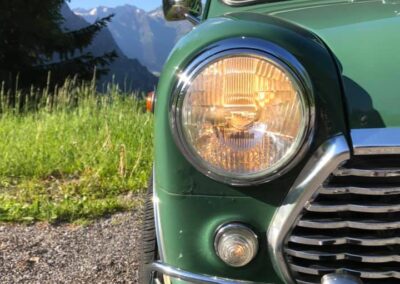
(195, 21)
(174, 272)
(159, 234)
(321, 241)
(325, 160)
(378, 172)
(239, 3)
(376, 141)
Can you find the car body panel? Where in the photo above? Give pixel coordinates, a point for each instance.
(365, 40)
(189, 228)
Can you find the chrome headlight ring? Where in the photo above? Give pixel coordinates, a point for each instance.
(256, 48)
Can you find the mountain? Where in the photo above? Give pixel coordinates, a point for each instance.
(128, 73)
(140, 34)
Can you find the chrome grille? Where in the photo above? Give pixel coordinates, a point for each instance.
(351, 225)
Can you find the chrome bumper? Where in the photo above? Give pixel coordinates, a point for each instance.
(166, 270)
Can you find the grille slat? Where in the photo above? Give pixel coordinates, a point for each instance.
(361, 273)
(379, 191)
(339, 224)
(324, 256)
(351, 225)
(381, 172)
(326, 240)
(373, 208)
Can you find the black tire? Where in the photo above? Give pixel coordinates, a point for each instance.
(148, 240)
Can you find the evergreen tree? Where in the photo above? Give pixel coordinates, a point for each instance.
(33, 43)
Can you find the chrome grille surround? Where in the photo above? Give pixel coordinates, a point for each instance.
(339, 217)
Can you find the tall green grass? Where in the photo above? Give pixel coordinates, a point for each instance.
(71, 154)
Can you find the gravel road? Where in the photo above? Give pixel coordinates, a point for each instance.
(103, 252)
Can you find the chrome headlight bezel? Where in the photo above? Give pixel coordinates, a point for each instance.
(250, 47)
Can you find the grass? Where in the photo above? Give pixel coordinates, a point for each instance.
(72, 156)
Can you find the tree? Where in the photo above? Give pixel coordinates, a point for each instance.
(33, 43)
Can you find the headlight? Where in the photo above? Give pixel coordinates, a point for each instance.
(241, 116)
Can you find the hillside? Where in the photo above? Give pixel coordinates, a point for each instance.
(140, 34)
(128, 73)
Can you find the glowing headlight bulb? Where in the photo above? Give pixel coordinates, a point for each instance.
(236, 244)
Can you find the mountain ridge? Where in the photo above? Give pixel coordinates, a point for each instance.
(128, 73)
(143, 35)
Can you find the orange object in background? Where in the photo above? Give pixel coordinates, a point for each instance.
(150, 101)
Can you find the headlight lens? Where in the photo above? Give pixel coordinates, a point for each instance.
(242, 117)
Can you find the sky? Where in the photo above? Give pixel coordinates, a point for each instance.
(144, 4)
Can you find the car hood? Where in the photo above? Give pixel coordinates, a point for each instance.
(364, 36)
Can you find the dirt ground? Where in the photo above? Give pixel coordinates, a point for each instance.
(105, 251)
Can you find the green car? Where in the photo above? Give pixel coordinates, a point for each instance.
(277, 145)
